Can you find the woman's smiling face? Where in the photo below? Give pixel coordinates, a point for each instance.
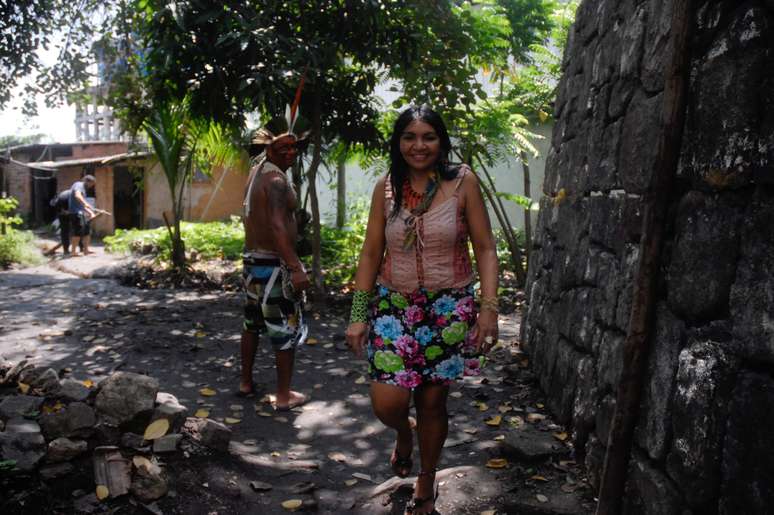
(420, 146)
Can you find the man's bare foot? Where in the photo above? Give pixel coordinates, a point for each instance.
(285, 403)
(73, 254)
(88, 252)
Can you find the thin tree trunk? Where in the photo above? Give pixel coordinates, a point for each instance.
(311, 175)
(505, 223)
(528, 211)
(637, 343)
(341, 192)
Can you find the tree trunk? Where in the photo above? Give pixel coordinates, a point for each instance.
(528, 211)
(637, 343)
(505, 224)
(341, 192)
(311, 175)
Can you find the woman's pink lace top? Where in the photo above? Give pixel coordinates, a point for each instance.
(439, 259)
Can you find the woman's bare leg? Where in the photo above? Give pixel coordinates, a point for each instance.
(432, 428)
(391, 405)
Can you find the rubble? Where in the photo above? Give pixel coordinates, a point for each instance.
(52, 427)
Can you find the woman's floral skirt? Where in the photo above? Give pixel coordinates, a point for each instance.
(422, 337)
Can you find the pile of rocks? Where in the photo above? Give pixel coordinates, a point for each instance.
(123, 424)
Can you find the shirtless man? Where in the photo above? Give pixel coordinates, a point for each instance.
(274, 276)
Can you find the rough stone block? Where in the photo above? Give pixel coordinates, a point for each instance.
(23, 443)
(654, 428)
(610, 360)
(208, 432)
(64, 449)
(77, 419)
(72, 390)
(748, 463)
(531, 446)
(752, 304)
(649, 491)
(167, 443)
(639, 142)
(55, 471)
(705, 379)
(15, 406)
(125, 396)
(561, 394)
(584, 406)
(722, 143)
(704, 256)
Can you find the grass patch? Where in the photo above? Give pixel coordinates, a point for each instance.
(18, 247)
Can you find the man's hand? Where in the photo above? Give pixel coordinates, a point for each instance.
(299, 280)
(357, 336)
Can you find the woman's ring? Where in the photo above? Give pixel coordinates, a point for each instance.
(489, 340)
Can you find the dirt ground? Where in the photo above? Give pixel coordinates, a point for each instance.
(331, 453)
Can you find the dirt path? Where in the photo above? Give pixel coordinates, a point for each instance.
(187, 339)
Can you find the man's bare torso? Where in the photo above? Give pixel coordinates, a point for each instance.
(271, 191)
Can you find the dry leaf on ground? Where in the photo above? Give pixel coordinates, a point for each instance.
(207, 392)
(497, 463)
(156, 429)
(494, 421)
(292, 504)
(102, 492)
(202, 413)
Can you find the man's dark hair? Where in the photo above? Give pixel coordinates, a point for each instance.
(89, 178)
(398, 165)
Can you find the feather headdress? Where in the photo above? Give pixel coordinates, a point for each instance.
(290, 125)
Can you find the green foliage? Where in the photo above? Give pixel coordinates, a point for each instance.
(341, 247)
(12, 141)
(503, 252)
(7, 207)
(17, 247)
(61, 25)
(519, 200)
(211, 240)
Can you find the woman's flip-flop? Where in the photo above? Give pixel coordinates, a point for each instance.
(401, 466)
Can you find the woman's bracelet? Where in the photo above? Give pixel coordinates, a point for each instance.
(359, 311)
(489, 304)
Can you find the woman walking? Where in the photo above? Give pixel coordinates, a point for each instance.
(414, 310)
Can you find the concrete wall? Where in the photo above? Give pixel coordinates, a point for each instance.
(227, 200)
(703, 443)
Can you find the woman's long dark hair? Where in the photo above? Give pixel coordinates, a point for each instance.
(398, 165)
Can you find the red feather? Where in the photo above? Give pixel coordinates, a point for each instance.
(297, 100)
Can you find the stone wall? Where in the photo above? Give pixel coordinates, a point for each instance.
(703, 442)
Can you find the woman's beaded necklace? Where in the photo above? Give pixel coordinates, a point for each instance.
(417, 204)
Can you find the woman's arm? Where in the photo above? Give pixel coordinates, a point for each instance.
(370, 260)
(485, 251)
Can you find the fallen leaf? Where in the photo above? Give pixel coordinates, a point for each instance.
(328, 346)
(236, 407)
(504, 408)
(317, 386)
(88, 383)
(282, 420)
(141, 462)
(499, 438)
(276, 454)
(362, 476)
(311, 341)
(350, 482)
(292, 504)
(24, 388)
(561, 436)
(482, 406)
(200, 334)
(360, 380)
(538, 478)
(102, 492)
(488, 512)
(53, 409)
(232, 421)
(494, 421)
(202, 413)
(456, 395)
(471, 430)
(497, 463)
(156, 429)
(263, 414)
(207, 392)
(535, 417)
(541, 498)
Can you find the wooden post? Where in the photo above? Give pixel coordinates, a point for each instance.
(637, 343)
